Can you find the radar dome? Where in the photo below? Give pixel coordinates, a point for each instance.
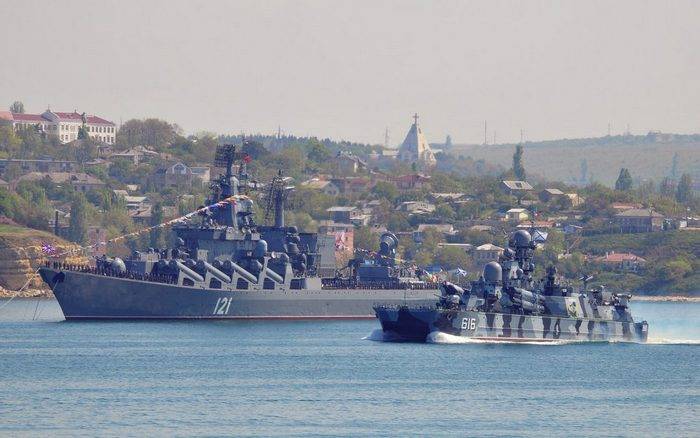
(260, 249)
(522, 238)
(118, 265)
(492, 272)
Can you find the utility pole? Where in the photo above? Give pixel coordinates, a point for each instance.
(386, 138)
(521, 135)
(485, 134)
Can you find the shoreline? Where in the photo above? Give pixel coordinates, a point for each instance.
(27, 293)
(667, 298)
(47, 294)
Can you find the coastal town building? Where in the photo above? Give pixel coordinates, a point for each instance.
(516, 188)
(487, 252)
(415, 148)
(64, 125)
(413, 181)
(625, 261)
(517, 215)
(416, 207)
(548, 195)
(182, 175)
(81, 182)
(21, 166)
(324, 186)
(639, 220)
(136, 155)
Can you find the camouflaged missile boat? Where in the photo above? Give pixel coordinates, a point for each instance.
(226, 266)
(506, 304)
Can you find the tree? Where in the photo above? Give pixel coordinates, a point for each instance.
(451, 258)
(255, 149)
(364, 238)
(445, 211)
(666, 188)
(156, 234)
(10, 143)
(674, 166)
(385, 190)
(77, 227)
(85, 151)
(82, 133)
(584, 171)
(684, 192)
(150, 132)
(624, 180)
(17, 107)
(518, 167)
(448, 142)
(318, 152)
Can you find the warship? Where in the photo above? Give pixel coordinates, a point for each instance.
(225, 265)
(507, 304)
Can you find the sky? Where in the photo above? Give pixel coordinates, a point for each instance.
(350, 70)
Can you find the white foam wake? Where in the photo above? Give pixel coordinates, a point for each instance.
(661, 341)
(380, 335)
(445, 338)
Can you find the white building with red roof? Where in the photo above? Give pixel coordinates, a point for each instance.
(622, 260)
(64, 125)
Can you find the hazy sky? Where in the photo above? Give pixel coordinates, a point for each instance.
(350, 69)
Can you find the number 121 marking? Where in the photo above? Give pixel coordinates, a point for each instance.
(222, 305)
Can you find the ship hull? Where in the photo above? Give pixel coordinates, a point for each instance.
(414, 324)
(88, 296)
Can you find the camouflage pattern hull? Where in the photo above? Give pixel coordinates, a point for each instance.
(89, 296)
(414, 324)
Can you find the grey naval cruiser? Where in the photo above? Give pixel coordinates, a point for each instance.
(224, 265)
(507, 304)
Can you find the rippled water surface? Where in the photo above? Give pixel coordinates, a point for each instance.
(323, 378)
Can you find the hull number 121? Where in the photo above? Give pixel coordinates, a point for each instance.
(222, 305)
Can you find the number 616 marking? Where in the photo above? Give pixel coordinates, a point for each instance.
(468, 323)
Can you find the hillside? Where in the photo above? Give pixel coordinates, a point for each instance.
(20, 255)
(648, 157)
(673, 261)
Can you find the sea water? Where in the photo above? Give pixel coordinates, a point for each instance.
(324, 378)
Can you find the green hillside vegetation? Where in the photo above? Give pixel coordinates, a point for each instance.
(582, 161)
(673, 261)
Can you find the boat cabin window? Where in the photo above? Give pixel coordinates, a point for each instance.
(241, 284)
(187, 282)
(214, 284)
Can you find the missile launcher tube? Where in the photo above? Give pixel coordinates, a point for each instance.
(189, 272)
(217, 273)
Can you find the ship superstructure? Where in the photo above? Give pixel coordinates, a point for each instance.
(225, 265)
(508, 304)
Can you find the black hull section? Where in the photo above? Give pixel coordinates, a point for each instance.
(414, 324)
(84, 296)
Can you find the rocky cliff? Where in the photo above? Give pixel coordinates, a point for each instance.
(20, 256)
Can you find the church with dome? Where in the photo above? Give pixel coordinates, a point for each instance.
(415, 148)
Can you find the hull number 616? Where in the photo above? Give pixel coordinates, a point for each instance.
(468, 323)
